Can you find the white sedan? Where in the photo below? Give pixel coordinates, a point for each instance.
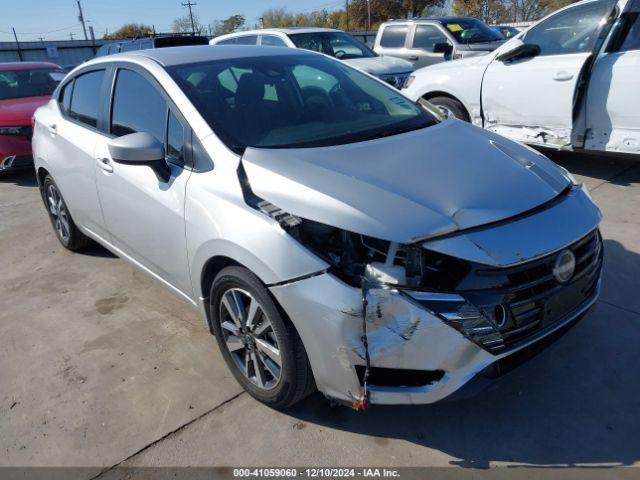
(570, 81)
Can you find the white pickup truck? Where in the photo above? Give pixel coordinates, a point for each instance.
(571, 81)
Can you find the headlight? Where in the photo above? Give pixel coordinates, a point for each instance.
(409, 81)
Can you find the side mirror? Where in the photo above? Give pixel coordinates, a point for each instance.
(517, 50)
(443, 47)
(141, 148)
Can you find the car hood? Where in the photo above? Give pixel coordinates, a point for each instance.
(18, 111)
(407, 187)
(460, 64)
(381, 65)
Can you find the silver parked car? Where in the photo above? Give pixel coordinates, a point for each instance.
(427, 41)
(332, 233)
(335, 43)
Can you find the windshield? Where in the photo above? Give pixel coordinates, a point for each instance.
(335, 44)
(29, 83)
(470, 30)
(295, 101)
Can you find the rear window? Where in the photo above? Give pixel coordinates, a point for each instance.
(29, 83)
(394, 36)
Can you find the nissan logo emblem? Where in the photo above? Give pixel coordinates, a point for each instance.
(564, 266)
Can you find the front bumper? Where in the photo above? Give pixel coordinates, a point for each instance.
(402, 335)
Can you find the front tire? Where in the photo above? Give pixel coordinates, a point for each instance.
(65, 228)
(451, 107)
(259, 344)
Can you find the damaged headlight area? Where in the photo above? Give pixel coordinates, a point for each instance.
(353, 256)
(498, 308)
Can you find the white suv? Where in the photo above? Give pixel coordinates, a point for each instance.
(335, 43)
(570, 81)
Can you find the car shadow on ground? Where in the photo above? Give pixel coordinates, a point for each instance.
(27, 178)
(21, 178)
(576, 403)
(603, 167)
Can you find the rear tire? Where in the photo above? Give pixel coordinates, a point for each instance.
(451, 107)
(64, 227)
(259, 344)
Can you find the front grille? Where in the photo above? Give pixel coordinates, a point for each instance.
(534, 299)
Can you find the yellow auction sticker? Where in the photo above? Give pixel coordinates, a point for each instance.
(454, 27)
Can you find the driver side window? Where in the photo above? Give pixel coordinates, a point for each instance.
(571, 31)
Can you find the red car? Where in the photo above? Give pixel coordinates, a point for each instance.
(24, 86)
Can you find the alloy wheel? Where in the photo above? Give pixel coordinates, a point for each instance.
(250, 339)
(59, 213)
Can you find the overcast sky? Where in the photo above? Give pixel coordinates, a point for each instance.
(55, 19)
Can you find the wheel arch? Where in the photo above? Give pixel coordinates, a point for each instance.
(41, 174)
(440, 93)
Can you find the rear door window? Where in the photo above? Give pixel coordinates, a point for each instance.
(394, 36)
(64, 100)
(85, 101)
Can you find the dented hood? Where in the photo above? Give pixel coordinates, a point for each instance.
(420, 184)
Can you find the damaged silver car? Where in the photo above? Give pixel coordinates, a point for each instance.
(333, 233)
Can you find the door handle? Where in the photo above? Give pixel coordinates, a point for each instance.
(105, 165)
(53, 129)
(413, 57)
(562, 76)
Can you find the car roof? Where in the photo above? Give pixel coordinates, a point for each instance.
(287, 30)
(171, 56)
(4, 66)
(447, 19)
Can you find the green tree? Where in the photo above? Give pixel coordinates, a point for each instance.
(131, 30)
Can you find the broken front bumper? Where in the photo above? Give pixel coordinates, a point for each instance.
(402, 335)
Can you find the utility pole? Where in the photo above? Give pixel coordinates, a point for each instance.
(17, 43)
(189, 5)
(81, 19)
(346, 10)
(368, 15)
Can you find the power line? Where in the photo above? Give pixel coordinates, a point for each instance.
(42, 33)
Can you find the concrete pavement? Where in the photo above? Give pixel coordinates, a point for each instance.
(101, 366)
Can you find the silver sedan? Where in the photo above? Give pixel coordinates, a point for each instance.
(333, 233)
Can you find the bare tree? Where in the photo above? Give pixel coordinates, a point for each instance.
(183, 24)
